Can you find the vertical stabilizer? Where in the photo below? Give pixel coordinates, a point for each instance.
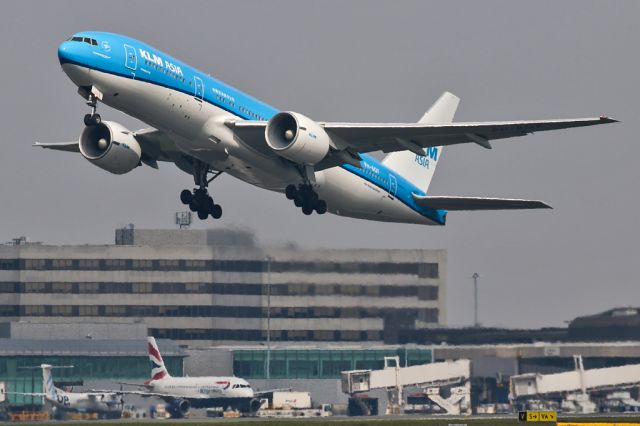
(158, 370)
(419, 169)
(47, 383)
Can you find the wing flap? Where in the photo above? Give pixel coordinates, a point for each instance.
(477, 203)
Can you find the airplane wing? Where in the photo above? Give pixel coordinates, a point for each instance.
(165, 396)
(390, 137)
(27, 393)
(476, 203)
(156, 146)
(60, 146)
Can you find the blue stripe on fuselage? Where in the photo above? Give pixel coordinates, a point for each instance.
(110, 56)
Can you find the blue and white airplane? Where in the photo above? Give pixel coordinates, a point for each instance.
(207, 128)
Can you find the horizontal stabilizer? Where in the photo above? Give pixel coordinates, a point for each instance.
(477, 203)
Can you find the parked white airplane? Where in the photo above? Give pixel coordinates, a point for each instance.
(206, 128)
(108, 404)
(182, 393)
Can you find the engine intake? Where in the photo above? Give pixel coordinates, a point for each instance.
(297, 138)
(111, 147)
(178, 408)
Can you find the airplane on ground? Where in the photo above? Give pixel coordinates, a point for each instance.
(207, 128)
(182, 393)
(108, 404)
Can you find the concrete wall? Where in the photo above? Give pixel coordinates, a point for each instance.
(77, 330)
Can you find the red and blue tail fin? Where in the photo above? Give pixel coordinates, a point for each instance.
(158, 370)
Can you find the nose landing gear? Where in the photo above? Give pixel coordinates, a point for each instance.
(92, 95)
(199, 200)
(306, 198)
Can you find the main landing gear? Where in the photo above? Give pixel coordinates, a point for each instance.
(305, 197)
(199, 200)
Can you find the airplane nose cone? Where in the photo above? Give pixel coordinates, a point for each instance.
(74, 52)
(72, 56)
(66, 52)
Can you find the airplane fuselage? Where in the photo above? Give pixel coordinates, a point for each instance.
(204, 392)
(214, 387)
(83, 402)
(193, 107)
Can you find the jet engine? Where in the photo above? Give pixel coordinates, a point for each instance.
(111, 147)
(297, 138)
(178, 408)
(254, 405)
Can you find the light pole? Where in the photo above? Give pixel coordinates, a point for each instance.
(475, 277)
(268, 366)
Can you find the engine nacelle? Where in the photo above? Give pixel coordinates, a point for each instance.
(111, 147)
(178, 408)
(297, 138)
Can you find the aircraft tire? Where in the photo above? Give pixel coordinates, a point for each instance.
(321, 207)
(92, 120)
(298, 201)
(193, 206)
(208, 204)
(216, 211)
(290, 192)
(186, 196)
(203, 214)
(307, 210)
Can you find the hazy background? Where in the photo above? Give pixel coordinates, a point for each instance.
(367, 61)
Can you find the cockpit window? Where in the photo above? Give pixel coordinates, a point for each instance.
(87, 40)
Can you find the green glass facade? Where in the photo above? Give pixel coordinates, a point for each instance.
(320, 363)
(85, 368)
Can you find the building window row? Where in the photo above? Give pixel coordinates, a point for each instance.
(423, 270)
(422, 292)
(426, 314)
(259, 335)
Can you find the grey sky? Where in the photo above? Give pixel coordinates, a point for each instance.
(368, 61)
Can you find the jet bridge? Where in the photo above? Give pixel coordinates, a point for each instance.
(430, 377)
(575, 385)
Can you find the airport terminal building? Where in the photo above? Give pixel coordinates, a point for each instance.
(219, 287)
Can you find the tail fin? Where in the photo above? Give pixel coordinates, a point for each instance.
(158, 370)
(419, 169)
(47, 383)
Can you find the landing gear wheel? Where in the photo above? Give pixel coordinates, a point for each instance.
(92, 119)
(186, 196)
(321, 207)
(290, 191)
(193, 206)
(216, 211)
(298, 201)
(307, 210)
(203, 214)
(208, 205)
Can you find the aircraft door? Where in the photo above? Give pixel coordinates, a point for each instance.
(393, 185)
(199, 88)
(131, 58)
